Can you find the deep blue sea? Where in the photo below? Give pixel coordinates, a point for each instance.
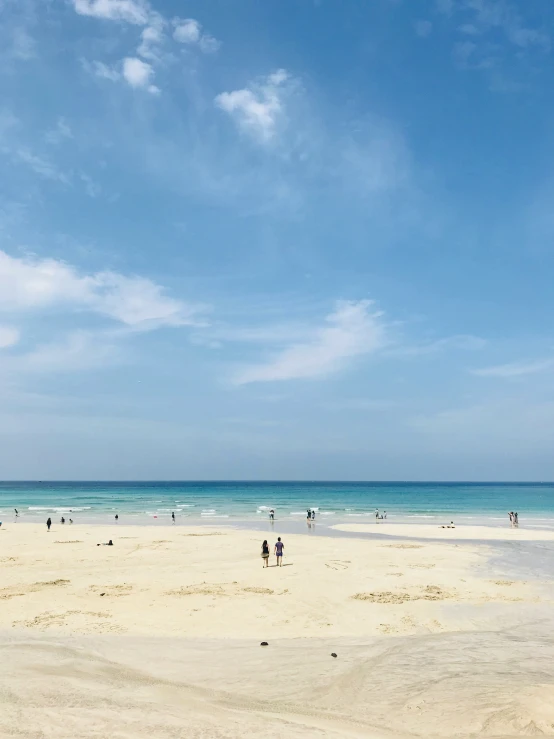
(334, 502)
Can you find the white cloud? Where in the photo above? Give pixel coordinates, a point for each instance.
(189, 31)
(151, 37)
(30, 283)
(131, 11)
(139, 74)
(515, 369)
(209, 44)
(352, 330)
(102, 70)
(8, 336)
(258, 108)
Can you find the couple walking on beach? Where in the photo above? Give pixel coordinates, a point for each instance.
(278, 550)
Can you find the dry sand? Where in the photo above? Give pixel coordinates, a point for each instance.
(160, 635)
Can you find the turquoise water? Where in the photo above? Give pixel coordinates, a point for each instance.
(335, 502)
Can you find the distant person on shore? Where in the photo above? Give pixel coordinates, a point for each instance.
(272, 515)
(173, 517)
(384, 514)
(116, 517)
(70, 520)
(265, 553)
(279, 546)
(511, 517)
(313, 515)
(62, 520)
(376, 514)
(16, 513)
(516, 519)
(309, 514)
(48, 523)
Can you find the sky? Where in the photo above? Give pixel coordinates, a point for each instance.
(290, 239)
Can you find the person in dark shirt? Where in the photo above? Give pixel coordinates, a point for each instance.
(279, 546)
(265, 553)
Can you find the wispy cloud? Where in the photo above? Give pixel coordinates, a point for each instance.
(40, 166)
(494, 37)
(134, 70)
(258, 108)
(189, 31)
(515, 369)
(423, 28)
(352, 330)
(130, 11)
(61, 132)
(8, 336)
(30, 283)
(460, 342)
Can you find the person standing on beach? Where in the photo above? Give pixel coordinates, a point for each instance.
(516, 519)
(16, 513)
(272, 515)
(265, 553)
(49, 523)
(279, 546)
(116, 517)
(173, 517)
(511, 517)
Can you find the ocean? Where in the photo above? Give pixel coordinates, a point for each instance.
(235, 502)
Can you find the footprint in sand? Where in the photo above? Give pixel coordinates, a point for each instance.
(17, 591)
(115, 591)
(430, 592)
(337, 564)
(48, 619)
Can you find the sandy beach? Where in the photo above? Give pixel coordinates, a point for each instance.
(160, 635)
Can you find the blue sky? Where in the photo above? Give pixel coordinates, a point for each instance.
(279, 239)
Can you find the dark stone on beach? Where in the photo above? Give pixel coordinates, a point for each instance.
(333, 654)
(101, 594)
(264, 644)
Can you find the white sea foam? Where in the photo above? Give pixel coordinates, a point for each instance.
(59, 510)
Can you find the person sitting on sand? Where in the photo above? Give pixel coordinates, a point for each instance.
(106, 544)
(449, 526)
(265, 553)
(279, 546)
